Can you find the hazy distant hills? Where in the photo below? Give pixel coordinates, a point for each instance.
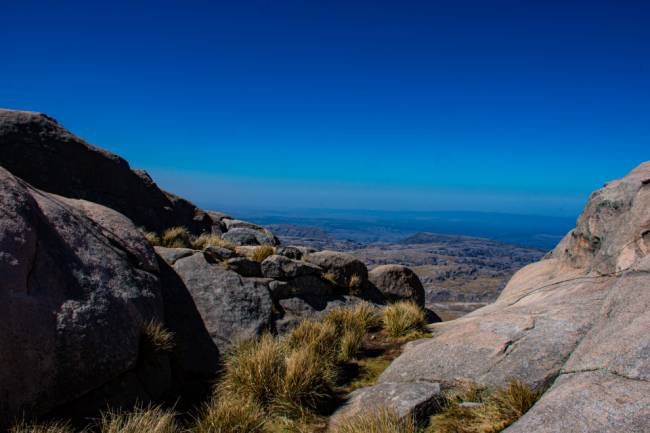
(385, 226)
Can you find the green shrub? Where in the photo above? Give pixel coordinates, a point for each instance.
(404, 318)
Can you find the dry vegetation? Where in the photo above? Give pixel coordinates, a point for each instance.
(378, 421)
(262, 252)
(180, 237)
(291, 383)
(404, 318)
(496, 409)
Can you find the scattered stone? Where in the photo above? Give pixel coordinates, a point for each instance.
(397, 283)
(244, 266)
(281, 267)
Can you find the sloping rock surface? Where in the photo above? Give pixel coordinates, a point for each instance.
(578, 319)
(73, 299)
(37, 149)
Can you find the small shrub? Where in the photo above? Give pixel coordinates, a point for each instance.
(350, 343)
(52, 427)
(498, 409)
(404, 318)
(377, 421)
(206, 240)
(155, 338)
(150, 420)
(261, 252)
(177, 237)
(231, 415)
(153, 238)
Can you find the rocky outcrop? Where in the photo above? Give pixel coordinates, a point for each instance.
(232, 306)
(343, 269)
(397, 283)
(37, 149)
(79, 282)
(577, 320)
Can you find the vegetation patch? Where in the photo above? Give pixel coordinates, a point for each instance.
(404, 318)
(176, 237)
(480, 410)
(378, 421)
(206, 240)
(155, 338)
(261, 252)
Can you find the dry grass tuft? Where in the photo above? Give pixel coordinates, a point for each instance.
(355, 282)
(206, 240)
(378, 421)
(254, 370)
(496, 411)
(351, 325)
(404, 318)
(282, 376)
(261, 252)
(320, 337)
(155, 338)
(152, 238)
(231, 415)
(150, 420)
(177, 237)
(52, 427)
(331, 277)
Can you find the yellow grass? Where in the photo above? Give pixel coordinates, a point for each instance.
(52, 427)
(231, 415)
(206, 240)
(156, 338)
(177, 237)
(499, 409)
(377, 421)
(262, 252)
(150, 420)
(403, 318)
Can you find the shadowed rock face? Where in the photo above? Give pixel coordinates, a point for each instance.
(578, 319)
(37, 149)
(78, 284)
(72, 300)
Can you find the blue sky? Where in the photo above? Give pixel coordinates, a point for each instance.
(504, 106)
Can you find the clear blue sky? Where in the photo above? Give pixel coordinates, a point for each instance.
(512, 106)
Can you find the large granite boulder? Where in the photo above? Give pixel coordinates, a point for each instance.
(74, 297)
(284, 268)
(249, 236)
(397, 283)
(343, 269)
(37, 149)
(232, 306)
(578, 320)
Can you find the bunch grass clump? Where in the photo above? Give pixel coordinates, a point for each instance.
(494, 411)
(206, 240)
(151, 420)
(231, 415)
(351, 324)
(261, 252)
(155, 338)
(176, 237)
(404, 318)
(377, 421)
(152, 238)
(48, 427)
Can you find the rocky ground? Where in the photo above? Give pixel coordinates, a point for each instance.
(459, 273)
